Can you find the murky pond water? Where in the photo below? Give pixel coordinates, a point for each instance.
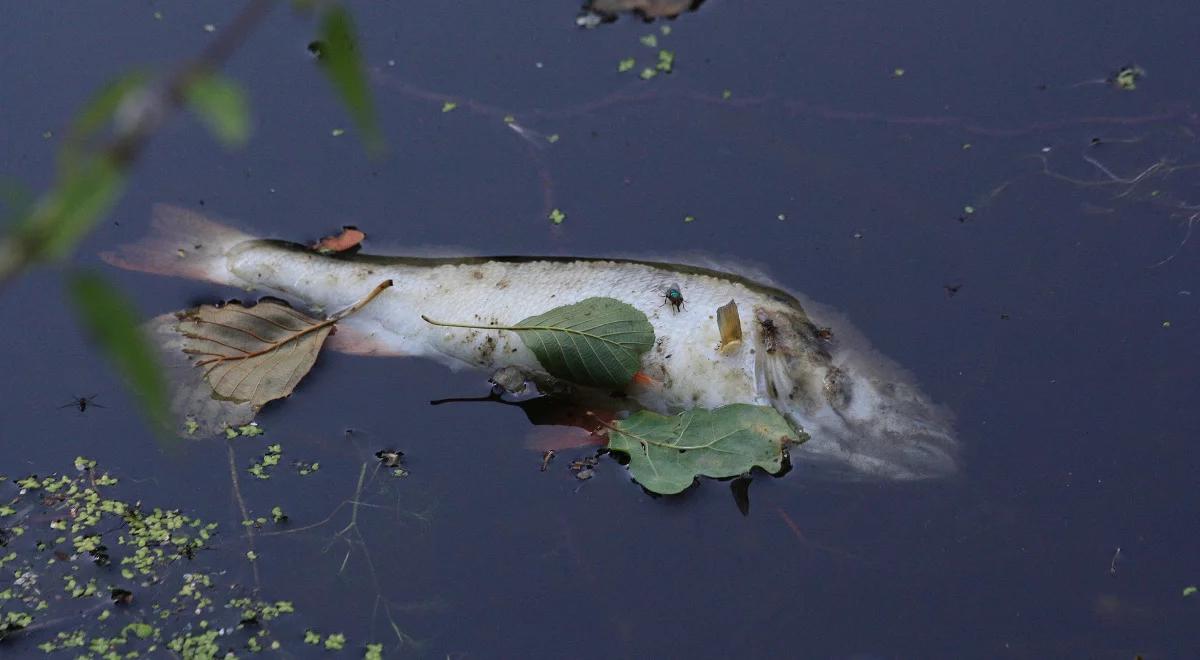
(958, 180)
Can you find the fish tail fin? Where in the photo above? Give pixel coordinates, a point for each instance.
(181, 243)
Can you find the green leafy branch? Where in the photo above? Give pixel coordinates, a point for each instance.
(112, 131)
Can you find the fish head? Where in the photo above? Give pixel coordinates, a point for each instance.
(864, 416)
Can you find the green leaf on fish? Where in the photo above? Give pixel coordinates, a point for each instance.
(221, 105)
(667, 453)
(596, 342)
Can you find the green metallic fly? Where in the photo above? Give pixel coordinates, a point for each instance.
(674, 296)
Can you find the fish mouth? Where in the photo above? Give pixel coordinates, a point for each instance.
(865, 417)
(862, 452)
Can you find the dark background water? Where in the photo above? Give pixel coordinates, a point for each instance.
(1068, 354)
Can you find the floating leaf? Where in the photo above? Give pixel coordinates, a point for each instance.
(221, 104)
(596, 342)
(112, 321)
(667, 453)
(666, 61)
(341, 61)
(557, 216)
(257, 354)
(1127, 77)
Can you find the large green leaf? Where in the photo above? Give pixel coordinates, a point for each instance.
(666, 453)
(221, 105)
(596, 342)
(112, 321)
(343, 65)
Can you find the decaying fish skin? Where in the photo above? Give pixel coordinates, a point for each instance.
(864, 416)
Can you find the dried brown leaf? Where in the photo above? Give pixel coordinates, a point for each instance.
(250, 356)
(253, 354)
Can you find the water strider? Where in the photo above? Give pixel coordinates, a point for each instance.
(865, 416)
(83, 403)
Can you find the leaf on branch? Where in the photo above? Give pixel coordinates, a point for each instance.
(667, 453)
(596, 342)
(63, 215)
(340, 59)
(111, 319)
(221, 105)
(97, 114)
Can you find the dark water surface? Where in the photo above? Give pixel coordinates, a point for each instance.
(1068, 352)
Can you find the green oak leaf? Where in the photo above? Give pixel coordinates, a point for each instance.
(666, 453)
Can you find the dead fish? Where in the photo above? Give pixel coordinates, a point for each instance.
(865, 417)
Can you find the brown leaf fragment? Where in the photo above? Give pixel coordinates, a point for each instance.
(349, 239)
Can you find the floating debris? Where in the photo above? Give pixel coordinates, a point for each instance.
(389, 457)
(584, 468)
(1126, 78)
(598, 12)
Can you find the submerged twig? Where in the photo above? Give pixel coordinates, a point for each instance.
(235, 484)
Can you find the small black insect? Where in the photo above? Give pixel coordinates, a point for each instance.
(83, 403)
(675, 297)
